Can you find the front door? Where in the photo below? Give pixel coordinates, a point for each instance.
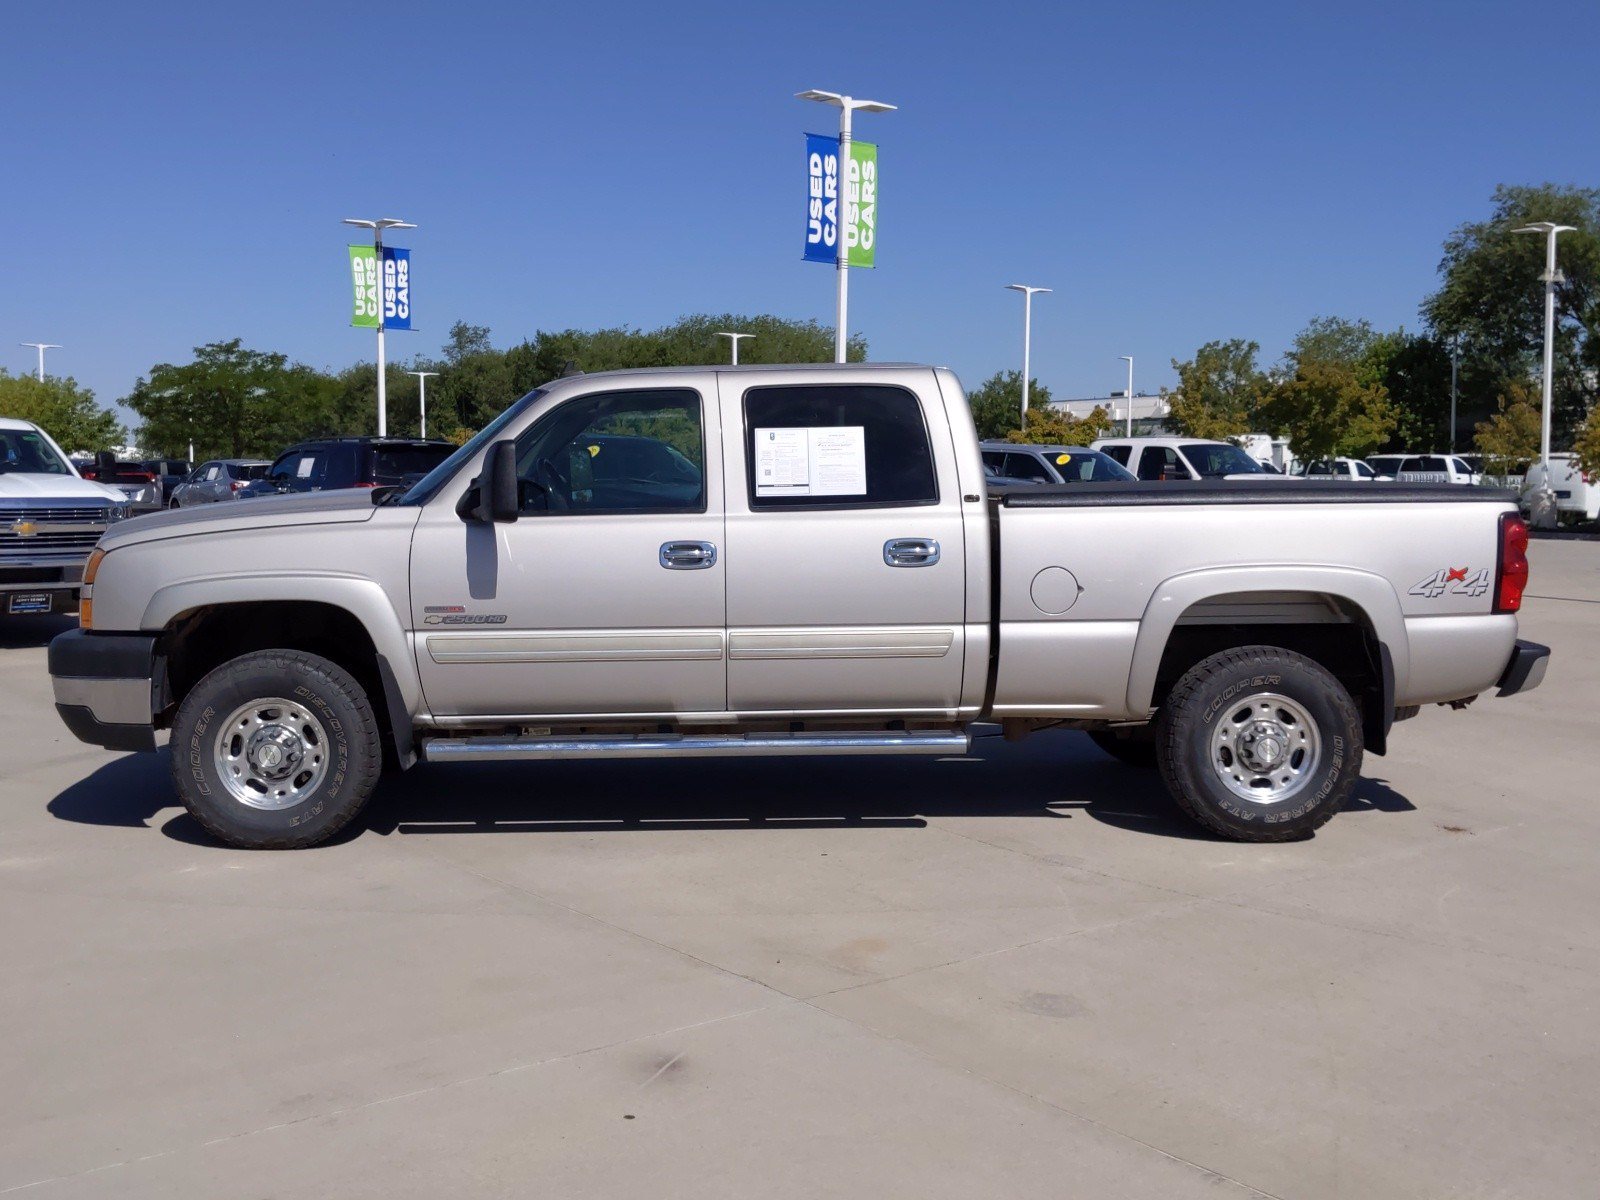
(846, 561)
(606, 596)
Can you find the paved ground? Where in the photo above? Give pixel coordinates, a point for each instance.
(1016, 977)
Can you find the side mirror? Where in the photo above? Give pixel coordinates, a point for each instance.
(497, 491)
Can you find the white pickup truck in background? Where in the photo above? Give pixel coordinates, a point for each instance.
(765, 561)
(50, 519)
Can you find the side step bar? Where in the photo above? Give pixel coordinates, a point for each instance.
(502, 749)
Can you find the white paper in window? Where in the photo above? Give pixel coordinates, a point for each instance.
(828, 460)
(303, 467)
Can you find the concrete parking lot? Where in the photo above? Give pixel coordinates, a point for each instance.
(1018, 975)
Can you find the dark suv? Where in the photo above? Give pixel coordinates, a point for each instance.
(330, 463)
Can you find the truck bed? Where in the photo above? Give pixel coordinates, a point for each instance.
(1243, 491)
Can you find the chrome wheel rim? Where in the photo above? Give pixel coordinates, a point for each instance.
(1265, 748)
(271, 753)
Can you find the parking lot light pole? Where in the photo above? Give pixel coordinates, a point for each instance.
(1455, 353)
(1027, 338)
(1544, 517)
(377, 228)
(41, 347)
(422, 399)
(733, 340)
(1128, 396)
(847, 105)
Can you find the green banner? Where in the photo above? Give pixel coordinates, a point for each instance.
(364, 276)
(861, 204)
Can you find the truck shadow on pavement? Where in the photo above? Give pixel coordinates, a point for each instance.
(19, 633)
(1057, 776)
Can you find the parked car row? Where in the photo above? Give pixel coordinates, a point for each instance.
(324, 464)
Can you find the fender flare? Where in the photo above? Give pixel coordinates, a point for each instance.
(1372, 595)
(357, 595)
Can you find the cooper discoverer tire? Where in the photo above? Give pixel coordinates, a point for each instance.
(1133, 750)
(275, 750)
(1259, 744)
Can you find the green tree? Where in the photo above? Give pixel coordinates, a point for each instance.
(232, 402)
(1491, 295)
(1219, 391)
(996, 404)
(1325, 409)
(1057, 427)
(62, 409)
(1587, 444)
(1510, 436)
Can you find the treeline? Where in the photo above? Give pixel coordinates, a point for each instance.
(233, 402)
(1346, 388)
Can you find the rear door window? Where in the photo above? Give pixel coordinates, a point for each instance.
(391, 464)
(1027, 466)
(1120, 453)
(1154, 461)
(836, 446)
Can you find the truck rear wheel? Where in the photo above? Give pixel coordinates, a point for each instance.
(275, 750)
(1259, 744)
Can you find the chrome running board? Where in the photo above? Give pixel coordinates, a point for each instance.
(502, 749)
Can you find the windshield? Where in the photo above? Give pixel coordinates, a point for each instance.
(1213, 462)
(1087, 466)
(428, 486)
(26, 452)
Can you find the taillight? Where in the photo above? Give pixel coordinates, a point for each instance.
(238, 485)
(1511, 568)
(370, 485)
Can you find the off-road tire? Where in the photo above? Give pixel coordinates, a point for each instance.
(1183, 743)
(1136, 749)
(354, 749)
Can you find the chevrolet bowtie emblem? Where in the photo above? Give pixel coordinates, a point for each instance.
(24, 528)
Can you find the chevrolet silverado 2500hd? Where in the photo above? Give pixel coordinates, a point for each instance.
(784, 561)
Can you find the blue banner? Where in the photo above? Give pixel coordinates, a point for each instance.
(822, 198)
(396, 288)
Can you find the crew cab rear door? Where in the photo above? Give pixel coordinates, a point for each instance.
(845, 557)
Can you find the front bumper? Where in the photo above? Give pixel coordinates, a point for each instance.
(1526, 669)
(104, 687)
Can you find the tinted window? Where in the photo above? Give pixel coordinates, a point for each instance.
(248, 470)
(1319, 468)
(1154, 461)
(1026, 466)
(1086, 466)
(391, 464)
(849, 445)
(1461, 467)
(1411, 464)
(1120, 453)
(1214, 462)
(1363, 471)
(1436, 464)
(639, 451)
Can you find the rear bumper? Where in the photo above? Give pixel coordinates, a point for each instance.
(1526, 669)
(104, 687)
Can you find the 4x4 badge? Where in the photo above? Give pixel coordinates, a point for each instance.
(1458, 581)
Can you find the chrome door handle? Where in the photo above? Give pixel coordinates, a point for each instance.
(688, 556)
(911, 552)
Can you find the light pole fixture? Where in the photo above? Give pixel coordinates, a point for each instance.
(377, 227)
(422, 399)
(41, 347)
(1128, 396)
(847, 106)
(1028, 293)
(1545, 514)
(733, 341)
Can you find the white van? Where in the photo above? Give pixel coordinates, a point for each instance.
(1577, 492)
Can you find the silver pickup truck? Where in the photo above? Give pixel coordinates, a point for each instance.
(784, 561)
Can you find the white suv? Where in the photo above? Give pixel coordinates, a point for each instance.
(1169, 458)
(1424, 468)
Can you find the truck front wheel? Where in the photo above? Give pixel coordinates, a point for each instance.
(275, 750)
(1259, 744)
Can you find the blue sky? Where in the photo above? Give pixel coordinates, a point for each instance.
(1176, 172)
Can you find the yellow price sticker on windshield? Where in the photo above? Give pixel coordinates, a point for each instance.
(594, 451)
(1063, 459)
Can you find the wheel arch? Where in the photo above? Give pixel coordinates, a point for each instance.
(1362, 604)
(349, 621)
